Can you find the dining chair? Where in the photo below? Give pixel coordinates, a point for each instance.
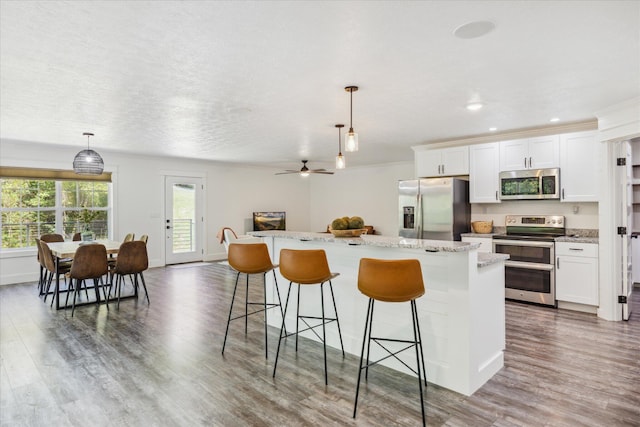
(89, 262)
(77, 237)
(51, 271)
(132, 260)
(129, 237)
(144, 238)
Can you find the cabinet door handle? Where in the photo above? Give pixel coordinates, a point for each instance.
(563, 194)
(558, 262)
(525, 162)
(442, 169)
(576, 249)
(529, 162)
(496, 194)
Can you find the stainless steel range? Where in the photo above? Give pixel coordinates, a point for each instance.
(530, 270)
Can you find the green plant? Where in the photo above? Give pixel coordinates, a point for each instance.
(87, 216)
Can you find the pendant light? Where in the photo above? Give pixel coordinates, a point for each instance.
(88, 162)
(340, 160)
(351, 139)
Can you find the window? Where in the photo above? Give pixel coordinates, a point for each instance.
(32, 207)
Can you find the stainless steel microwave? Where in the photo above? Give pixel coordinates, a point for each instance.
(530, 184)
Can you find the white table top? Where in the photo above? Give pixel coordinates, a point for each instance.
(68, 249)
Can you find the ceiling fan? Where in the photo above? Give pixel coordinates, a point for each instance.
(304, 171)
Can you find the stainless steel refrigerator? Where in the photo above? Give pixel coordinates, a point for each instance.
(434, 208)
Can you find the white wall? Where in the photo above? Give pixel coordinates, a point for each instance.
(232, 194)
(368, 192)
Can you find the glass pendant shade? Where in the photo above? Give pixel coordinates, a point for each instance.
(88, 162)
(351, 141)
(341, 162)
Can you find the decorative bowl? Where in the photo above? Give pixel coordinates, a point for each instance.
(482, 227)
(356, 232)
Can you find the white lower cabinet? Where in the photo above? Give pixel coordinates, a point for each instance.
(486, 243)
(577, 272)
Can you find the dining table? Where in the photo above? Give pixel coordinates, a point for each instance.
(67, 250)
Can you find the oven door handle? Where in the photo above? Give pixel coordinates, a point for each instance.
(523, 243)
(529, 265)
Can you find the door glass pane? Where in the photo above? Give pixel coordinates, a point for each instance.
(184, 217)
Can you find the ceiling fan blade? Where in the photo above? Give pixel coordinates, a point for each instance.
(321, 171)
(318, 170)
(286, 172)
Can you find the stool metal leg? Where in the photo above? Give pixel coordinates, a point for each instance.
(366, 373)
(335, 309)
(264, 287)
(298, 315)
(324, 334)
(364, 344)
(235, 288)
(414, 315)
(282, 328)
(246, 305)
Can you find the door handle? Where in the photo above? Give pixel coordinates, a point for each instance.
(525, 162)
(558, 262)
(496, 194)
(529, 162)
(563, 194)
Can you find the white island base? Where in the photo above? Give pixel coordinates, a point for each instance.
(461, 315)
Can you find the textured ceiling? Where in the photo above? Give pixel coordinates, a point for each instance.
(263, 82)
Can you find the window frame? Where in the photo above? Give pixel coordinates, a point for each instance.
(58, 209)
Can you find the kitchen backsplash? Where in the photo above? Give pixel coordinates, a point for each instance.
(579, 216)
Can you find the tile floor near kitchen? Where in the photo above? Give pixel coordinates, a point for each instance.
(161, 365)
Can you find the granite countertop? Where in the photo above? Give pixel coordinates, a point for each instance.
(485, 235)
(577, 239)
(488, 258)
(373, 240)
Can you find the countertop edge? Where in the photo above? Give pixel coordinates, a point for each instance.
(373, 240)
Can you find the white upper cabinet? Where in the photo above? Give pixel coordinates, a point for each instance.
(579, 167)
(484, 168)
(533, 153)
(442, 162)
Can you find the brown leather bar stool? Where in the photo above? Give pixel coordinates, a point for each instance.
(391, 281)
(308, 267)
(252, 258)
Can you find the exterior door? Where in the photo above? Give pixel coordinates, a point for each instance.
(625, 217)
(183, 220)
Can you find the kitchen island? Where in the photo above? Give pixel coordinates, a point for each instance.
(461, 314)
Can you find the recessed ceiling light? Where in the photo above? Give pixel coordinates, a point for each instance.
(474, 106)
(472, 30)
(555, 119)
(493, 129)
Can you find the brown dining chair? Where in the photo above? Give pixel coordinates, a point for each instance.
(51, 271)
(77, 237)
(144, 238)
(132, 260)
(89, 262)
(48, 238)
(52, 238)
(129, 237)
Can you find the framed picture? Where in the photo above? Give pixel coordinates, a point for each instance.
(269, 221)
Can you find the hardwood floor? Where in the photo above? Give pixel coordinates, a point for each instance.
(161, 365)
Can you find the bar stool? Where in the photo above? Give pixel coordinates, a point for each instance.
(252, 258)
(308, 267)
(391, 281)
